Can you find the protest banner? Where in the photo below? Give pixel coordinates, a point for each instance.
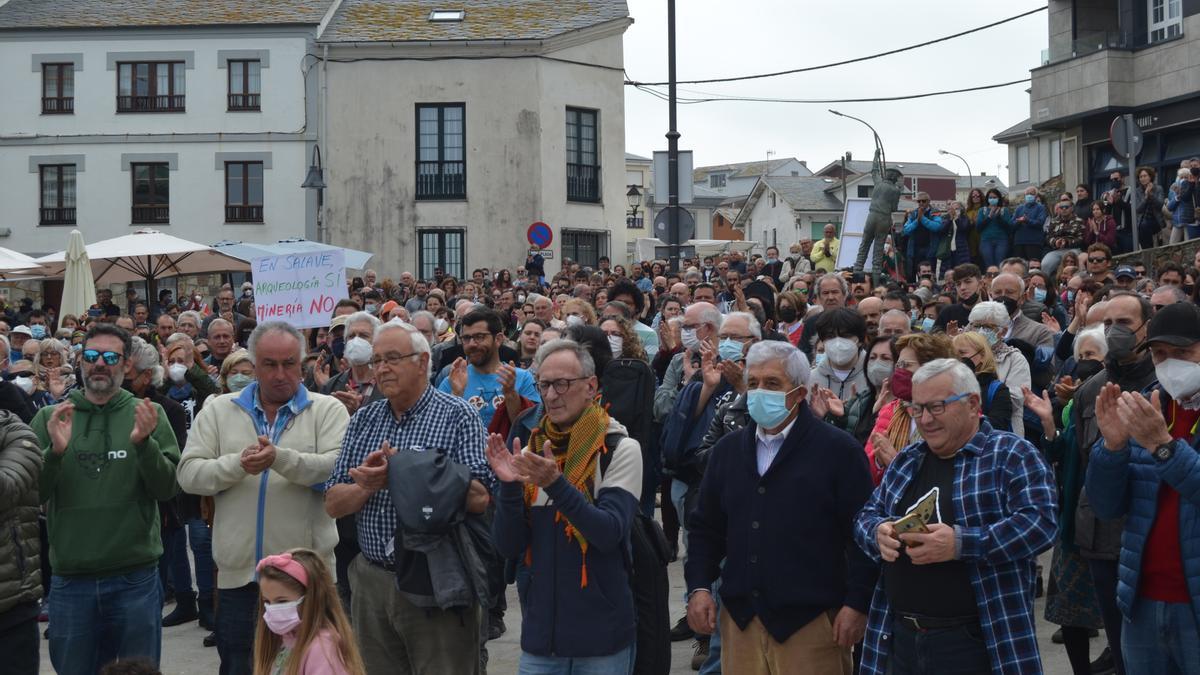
(299, 288)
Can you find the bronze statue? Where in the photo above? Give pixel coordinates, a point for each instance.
(885, 198)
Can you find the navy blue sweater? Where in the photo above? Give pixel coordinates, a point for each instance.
(786, 537)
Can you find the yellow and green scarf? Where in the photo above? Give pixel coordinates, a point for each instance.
(577, 451)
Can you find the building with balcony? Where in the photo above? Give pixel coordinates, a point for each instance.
(1107, 58)
(194, 118)
(449, 132)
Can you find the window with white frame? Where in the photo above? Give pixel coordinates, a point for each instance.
(1023, 163)
(1056, 157)
(1165, 19)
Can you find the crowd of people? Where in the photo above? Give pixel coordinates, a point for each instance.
(857, 474)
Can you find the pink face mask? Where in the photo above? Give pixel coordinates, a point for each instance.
(282, 617)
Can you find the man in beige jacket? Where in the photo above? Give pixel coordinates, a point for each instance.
(264, 453)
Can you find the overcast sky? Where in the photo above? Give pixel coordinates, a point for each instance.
(718, 38)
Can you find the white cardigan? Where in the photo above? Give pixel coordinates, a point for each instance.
(293, 502)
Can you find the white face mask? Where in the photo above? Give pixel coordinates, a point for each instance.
(841, 351)
(176, 372)
(689, 339)
(25, 383)
(574, 320)
(1181, 379)
(358, 352)
(616, 343)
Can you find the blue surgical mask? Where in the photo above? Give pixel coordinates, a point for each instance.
(927, 324)
(1039, 294)
(729, 350)
(1071, 297)
(768, 408)
(1029, 199)
(989, 334)
(38, 330)
(993, 201)
(819, 360)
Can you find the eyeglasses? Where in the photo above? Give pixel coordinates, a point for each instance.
(560, 385)
(475, 337)
(1097, 260)
(739, 338)
(110, 358)
(935, 408)
(392, 359)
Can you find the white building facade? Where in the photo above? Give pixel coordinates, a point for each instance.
(173, 122)
(449, 134)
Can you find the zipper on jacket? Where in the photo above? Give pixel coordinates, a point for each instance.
(20, 553)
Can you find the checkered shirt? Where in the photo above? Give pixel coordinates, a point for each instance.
(436, 421)
(1005, 506)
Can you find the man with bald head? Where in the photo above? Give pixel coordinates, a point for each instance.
(701, 325)
(683, 292)
(870, 308)
(1009, 289)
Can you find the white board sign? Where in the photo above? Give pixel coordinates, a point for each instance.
(299, 288)
(854, 222)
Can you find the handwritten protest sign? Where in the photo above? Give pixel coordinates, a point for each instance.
(299, 288)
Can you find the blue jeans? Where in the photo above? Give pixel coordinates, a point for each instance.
(237, 617)
(1051, 261)
(678, 492)
(993, 251)
(1161, 639)
(180, 568)
(620, 663)
(97, 620)
(959, 650)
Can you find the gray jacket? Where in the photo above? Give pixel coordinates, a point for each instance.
(20, 467)
(1101, 539)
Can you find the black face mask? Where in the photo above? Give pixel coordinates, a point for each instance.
(787, 314)
(968, 363)
(1010, 306)
(1087, 368)
(971, 300)
(338, 346)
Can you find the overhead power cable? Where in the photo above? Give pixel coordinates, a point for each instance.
(874, 99)
(848, 61)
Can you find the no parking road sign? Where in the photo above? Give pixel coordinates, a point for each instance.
(540, 235)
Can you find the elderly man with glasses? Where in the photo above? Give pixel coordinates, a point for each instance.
(395, 635)
(958, 573)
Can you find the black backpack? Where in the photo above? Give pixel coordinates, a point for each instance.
(627, 391)
(646, 563)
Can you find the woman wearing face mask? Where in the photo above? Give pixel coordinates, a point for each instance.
(974, 351)
(991, 320)
(789, 308)
(841, 370)
(181, 357)
(894, 428)
(995, 224)
(623, 340)
(304, 630)
(577, 312)
(1040, 287)
(23, 376)
(237, 372)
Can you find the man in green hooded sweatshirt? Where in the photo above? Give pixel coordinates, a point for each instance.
(109, 459)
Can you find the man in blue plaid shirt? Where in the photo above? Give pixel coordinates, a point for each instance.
(958, 598)
(395, 635)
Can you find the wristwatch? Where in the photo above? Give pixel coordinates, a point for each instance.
(1164, 452)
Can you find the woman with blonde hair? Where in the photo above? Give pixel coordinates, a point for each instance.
(303, 629)
(578, 312)
(895, 428)
(237, 372)
(975, 352)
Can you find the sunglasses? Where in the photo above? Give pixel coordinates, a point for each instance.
(110, 358)
(1097, 260)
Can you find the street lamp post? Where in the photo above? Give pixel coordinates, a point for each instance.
(970, 176)
(878, 143)
(672, 146)
(634, 198)
(315, 180)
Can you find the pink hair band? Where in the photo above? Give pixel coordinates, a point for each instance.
(284, 562)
